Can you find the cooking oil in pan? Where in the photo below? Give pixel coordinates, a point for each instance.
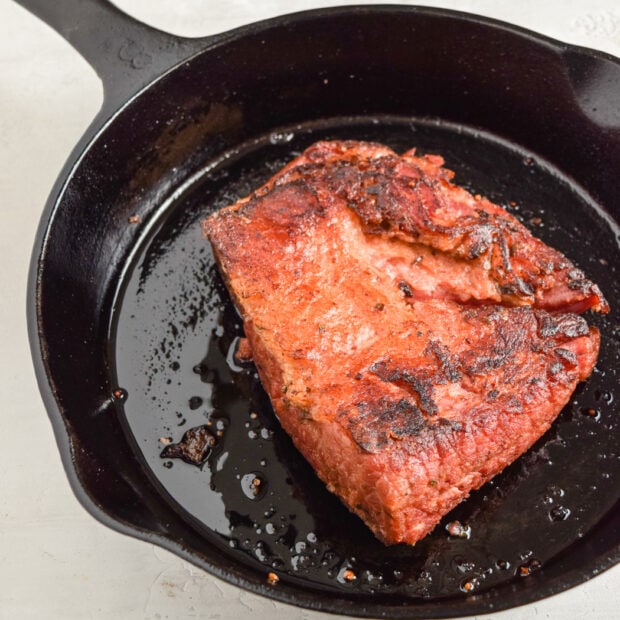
(248, 490)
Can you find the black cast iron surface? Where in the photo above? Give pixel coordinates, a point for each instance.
(132, 330)
(174, 342)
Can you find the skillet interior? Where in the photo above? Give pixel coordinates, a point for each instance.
(123, 244)
(173, 358)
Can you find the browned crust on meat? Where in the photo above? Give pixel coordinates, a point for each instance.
(412, 198)
(407, 357)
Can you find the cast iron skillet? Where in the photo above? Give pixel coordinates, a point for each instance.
(131, 329)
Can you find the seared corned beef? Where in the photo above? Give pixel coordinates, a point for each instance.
(414, 339)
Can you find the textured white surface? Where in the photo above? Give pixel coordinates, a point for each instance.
(56, 561)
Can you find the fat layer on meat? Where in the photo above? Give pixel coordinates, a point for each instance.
(414, 339)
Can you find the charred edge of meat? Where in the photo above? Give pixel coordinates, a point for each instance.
(292, 204)
(449, 364)
(420, 384)
(568, 325)
(375, 425)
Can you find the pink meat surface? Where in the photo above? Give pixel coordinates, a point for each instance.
(414, 339)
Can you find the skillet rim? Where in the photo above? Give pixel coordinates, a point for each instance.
(68, 441)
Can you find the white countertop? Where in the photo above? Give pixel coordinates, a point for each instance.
(56, 561)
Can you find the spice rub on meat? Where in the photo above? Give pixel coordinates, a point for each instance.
(414, 339)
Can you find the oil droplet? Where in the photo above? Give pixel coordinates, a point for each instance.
(464, 566)
(299, 562)
(372, 578)
(281, 137)
(469, 585)
(260, 553)
(608, 397)
(591, 412)
(328, 558)
(502, 564)
(529, 567)
(555, 490)
(120, 395)
(220, 424)
(346, 575)
(458, 529)
(559, 513)
(238, 354)
(195, 402)
(253, 486)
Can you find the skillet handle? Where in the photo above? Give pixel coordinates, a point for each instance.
(126, 53)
